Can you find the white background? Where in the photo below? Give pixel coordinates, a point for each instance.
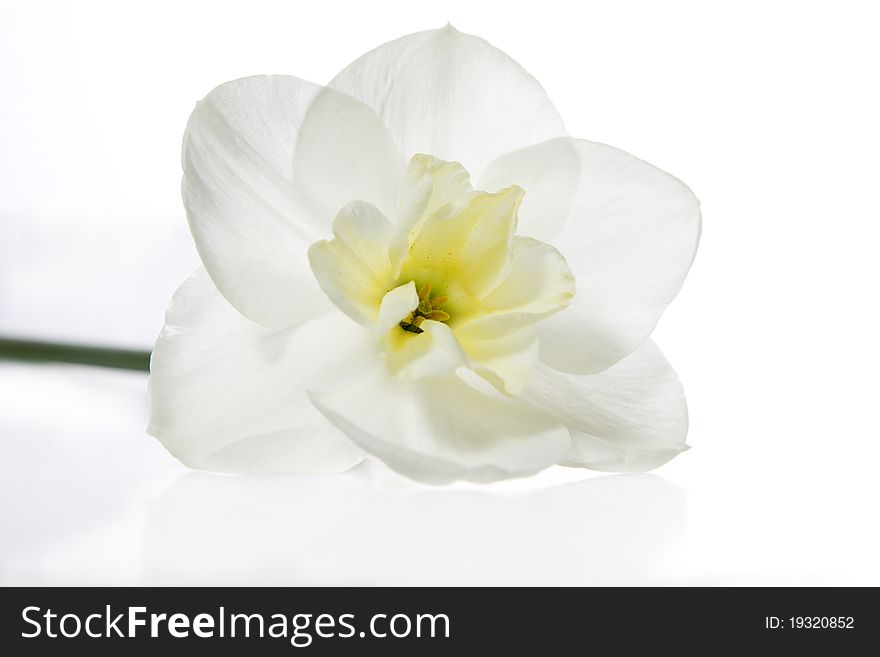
(768, 110)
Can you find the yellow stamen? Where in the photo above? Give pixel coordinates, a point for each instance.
(428, 308)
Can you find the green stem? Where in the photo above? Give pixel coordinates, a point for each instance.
(35, 351)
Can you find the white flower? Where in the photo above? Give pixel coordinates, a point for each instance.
(454, 329)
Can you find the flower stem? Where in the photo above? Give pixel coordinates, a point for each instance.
(36, 351)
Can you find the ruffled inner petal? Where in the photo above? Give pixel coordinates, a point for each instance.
(354, 269)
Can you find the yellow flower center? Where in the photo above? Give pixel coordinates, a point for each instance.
(447, 283)
(429, 308)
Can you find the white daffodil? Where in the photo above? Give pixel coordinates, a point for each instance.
(418, 262)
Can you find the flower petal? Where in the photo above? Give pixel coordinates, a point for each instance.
(505, 359)
(630, 241)
(501, 343)
(249, 214)
(550, 172)
(474, 247)
(353, 269)
(438, 430)
(452, 95)
(434, 352)
(396, 305)
(345, 153)
(631, 417)
(432, 188)
(229, 395)
(539, 281)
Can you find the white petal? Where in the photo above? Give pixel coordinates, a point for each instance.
(229, 395)
(434, 352)
(251, 218)
(630, 241)
(550, 172)
(452, 95)
(440, 429)
(345, 153)
(396, 305)
(631, 417)
(353, 269)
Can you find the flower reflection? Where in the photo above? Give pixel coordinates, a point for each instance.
(337, 529)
